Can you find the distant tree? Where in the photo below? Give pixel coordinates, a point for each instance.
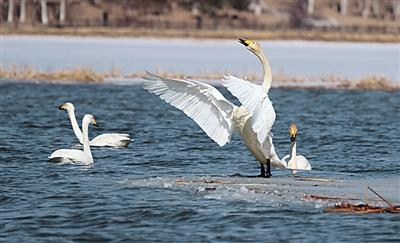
(62, 11)
(10, 15)
(396, 9)
(310, 7)
(43, 7)
(343, 7)
(240, 4)
(22, 11)
(298, 11)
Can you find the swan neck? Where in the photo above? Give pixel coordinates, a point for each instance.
(267, 76)
(86, 146)
(293, 151)
(75, 126)
(293, 155)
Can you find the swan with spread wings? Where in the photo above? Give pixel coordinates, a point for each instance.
(219, 118)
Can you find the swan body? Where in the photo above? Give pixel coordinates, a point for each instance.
(217, 116)
(103, 140)
(76, 156)
(111, 140)
(262, 152)
(71, 156)
(293, 161)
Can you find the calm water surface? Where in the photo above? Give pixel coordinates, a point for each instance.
(345, 134)
(352, 60)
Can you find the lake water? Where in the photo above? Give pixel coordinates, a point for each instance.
(127, 196)
(309, 59)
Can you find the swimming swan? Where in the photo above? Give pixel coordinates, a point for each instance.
(296, 162)
(217, 116)
(103, 140)
(76, 156)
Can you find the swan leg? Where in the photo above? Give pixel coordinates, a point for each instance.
(268, 174)
(262, 171)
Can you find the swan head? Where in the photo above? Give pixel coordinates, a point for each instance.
(251, 45)
(67, 106)
(293, 132)
(91, 119)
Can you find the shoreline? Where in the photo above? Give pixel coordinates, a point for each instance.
(324, 36)
(81, 75)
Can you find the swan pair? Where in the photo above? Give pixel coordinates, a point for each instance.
(219, 118)
(103, 140)
(84, 157)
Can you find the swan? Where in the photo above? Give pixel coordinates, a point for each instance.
(76, 156)
(217, 116)
(253, 96)
(255, 100)
(296, 162)
(103, 140)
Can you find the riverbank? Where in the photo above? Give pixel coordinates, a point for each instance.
(114, 75)
(205, 34)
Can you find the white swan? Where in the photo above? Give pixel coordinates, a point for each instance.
(253, 96)
(76, 156)
(296, 162)
(217, 116)
(255, 99)
(103, 140)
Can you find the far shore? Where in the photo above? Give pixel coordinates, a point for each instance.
(334, 36)
(281, 80)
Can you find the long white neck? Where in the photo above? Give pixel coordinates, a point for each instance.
(293, 157)
(75, 126)
(267, 80)
(86, 146)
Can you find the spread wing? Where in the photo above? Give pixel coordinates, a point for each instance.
(256, 100)
(201, 102)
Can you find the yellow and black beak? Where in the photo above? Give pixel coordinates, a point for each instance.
(292, 137)
(293, 132)
(244, 42)
(61, 107)
(94, 122)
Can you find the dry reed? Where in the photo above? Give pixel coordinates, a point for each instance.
(83, 74)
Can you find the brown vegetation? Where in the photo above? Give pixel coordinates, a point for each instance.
(75, 74)
(333, 20)
(281, 80)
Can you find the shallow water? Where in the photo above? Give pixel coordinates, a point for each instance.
(304, 58)
(128, 196)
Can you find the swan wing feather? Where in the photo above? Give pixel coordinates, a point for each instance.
(201, 102)
(111, 139)
(302, 163)
(257, 102)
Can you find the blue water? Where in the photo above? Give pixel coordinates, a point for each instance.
(344, 134)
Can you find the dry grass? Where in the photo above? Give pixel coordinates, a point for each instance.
(371, 83)
(82, 74)
(205, 34)
(75, 74)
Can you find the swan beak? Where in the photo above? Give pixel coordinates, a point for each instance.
(61, 107)
(293, 132)
(244, 42)
(94, 123)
